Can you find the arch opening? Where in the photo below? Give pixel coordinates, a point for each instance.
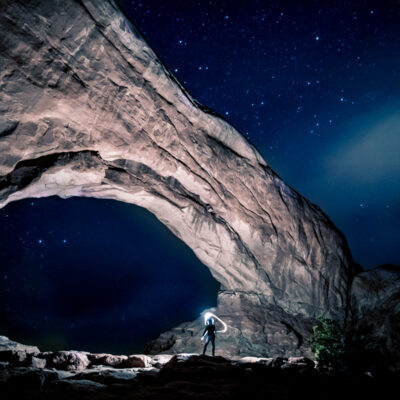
(95, 275)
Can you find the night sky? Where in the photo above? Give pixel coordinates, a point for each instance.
(314, 85)
(96, 275)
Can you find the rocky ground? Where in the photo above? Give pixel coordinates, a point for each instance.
(25, 372)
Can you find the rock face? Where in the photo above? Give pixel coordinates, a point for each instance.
(87, 109)
(9, 345)
(255, 328)
(375, 313)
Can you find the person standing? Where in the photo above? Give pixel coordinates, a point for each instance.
(209, 335)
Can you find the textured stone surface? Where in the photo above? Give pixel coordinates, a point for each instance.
(36, 362)
(66, 360)
(120, 361)
(255, 328)
(9, 345)
(87, 109)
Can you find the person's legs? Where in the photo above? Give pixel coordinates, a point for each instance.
(213, 345)
(206, 344)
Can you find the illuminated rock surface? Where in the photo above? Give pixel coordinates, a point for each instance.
(8, 345)
(87, 109)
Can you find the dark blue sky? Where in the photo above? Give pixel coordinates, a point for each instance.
(95, 275)
(315, 85)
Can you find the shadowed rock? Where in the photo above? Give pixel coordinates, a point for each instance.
(375, 312)
(66, 360)
(190, 376)
(133, 361)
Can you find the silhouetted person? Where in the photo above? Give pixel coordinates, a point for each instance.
(209, 334)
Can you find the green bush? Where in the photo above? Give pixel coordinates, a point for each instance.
(327, 343)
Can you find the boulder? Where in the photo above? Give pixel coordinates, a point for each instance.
(7, 344)
(66, 360)
(136, 361)
(107, 359)
(13, 356)
(121, 361)
(159, 360)
(37, 362)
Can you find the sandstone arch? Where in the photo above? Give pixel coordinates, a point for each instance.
(88, 109)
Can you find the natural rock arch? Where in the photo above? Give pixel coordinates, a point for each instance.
(88, 109)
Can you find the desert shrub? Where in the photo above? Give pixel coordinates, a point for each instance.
(327, 343)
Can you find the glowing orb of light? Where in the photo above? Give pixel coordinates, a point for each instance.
(207, 316)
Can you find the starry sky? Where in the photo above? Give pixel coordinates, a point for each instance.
(314, 85)
(94, 275)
